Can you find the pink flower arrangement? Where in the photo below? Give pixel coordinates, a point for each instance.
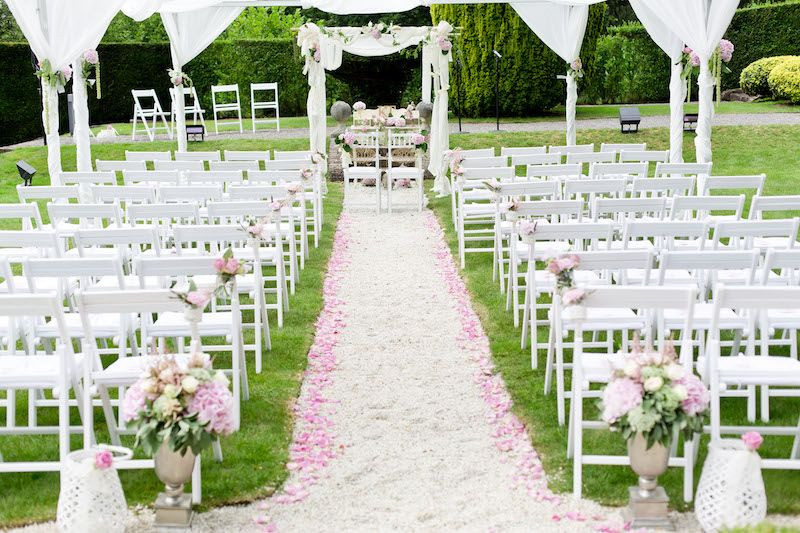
(576, 64)
(400, 122)
(199, 298)
(359, 106)
(91, 57)
(562, 268)
(66, 72)
(134, 403)
(276, 205)
(403, 183)
(317, 55)
(620, 397)
(391, 121)
(103, 460)
(349, 138)
(445, 45)
(227, 266)
(213, 404)
(697, 395)
(573, 297)
(726, 50)
(752, 440)
(510, 207)
(526, 228)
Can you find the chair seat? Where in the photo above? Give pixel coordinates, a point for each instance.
(104, 325)
(605, 319)
(173, 324)
(478, 209)
(701, 318)
(756, 370)
(543, 250)
(598, 367)
(31, 371)
(636, 276)
(126, 370)
(765, 243)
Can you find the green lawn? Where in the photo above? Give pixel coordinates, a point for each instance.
(738, 150)
(255, 457)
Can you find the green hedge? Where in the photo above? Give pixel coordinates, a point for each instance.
(126, 66)
(784, 80)
(754, 77)
(633, 69)
(528, 82)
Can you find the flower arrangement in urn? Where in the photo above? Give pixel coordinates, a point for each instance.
(651, 393)
(183, 404)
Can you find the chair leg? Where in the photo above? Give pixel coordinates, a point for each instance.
(560, 395)
(548, 372)
(577, 467)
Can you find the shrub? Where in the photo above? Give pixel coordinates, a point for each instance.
(753, 79)
(527, 81)
(784, 80)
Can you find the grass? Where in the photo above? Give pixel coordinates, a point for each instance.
(255, 457)
(738, 150)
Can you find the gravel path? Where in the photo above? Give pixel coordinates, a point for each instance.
(727, 119)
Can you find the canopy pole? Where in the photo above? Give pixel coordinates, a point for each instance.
(80, 107)
(50, 113)
(677, 94)
(705, 115)
(178, 104)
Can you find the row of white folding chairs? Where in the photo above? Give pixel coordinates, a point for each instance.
(191, 163)
(217, 155)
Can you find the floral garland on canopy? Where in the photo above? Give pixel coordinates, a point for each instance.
(54, 78)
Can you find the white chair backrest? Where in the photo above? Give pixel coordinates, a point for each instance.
(670, 187)
(212, 155)
(100, 215)
(665, 233)
(64, 269)
(190, 193)
(221, 177)
(575, 149)
(485, 162)
(787, 261)
(237, 212)
(164, 215)
(128, 301)
(234, 165)
(741, 233)
(275, 176)
(554, 210)
(230, 88)
(92, 178)
(114, 166)
(593, 157)
(151, 177)
(246, 155)
(734, 183)
(135, 240)
(614, 264)
(643, 156)
(625, 208)
(702, 206)
(256, 192)
(584, 235)
(527, 150)
(131, 155)
(488, 173)
(477, 152)
(292, 155)
(179, 165)
(706, 265)
(18, 245)
(47, 192)
(619, 147)
(123, 193)
(789, 205)
(535, 159)
(627, 171)
(28, 215)
(588, 190)
(526, 189)
(287, 164)
(559, 171)
(683, 169)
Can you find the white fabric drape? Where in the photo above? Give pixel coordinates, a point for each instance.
(700, 24)
(364, 7)
(440, 126)
(561, 27)
(141, 9)
(80, 108)
(672, 45)
(190, 32)
(59, 31)
(427, 74)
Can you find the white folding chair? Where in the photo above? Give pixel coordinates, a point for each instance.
(624, 209)
(785, 206)
(575, 149)
(759, 234)
(208, 155)
(644, 156)
(632, 304)
(151, 177)
(146, 106)
(526, 160)
(246, 155)
(362, 176)
(485, 162)
(523, 150)
(191, 107)
(26, 214)
(124, 195)
(65, 219)
(620, 147)
(226, 105)
(124, 244)
(733, 184)
(628, 171)
(257, 104)
(199, 194)
(243, 166)
(558, 172)
(35, 372)
(669, 188)
(105, 174)
(54, 193)
(131, 155)
(365, 150)
(699, 171)
(705, 207)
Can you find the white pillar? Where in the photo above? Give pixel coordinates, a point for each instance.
(677, 95)
(178, 102)
(572, 100)
(702, 140)
(317, 114)
(50, 121)
(80, 108)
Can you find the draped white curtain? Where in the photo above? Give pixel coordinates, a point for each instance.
(60, 31)
(672, 45)
(190, 32)
(700, 24)
(561, 27)
(368, 7)
(80, 109)
(440, 125)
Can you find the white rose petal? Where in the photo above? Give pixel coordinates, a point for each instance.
(680, 392)
(653, 384)
(675, 372)
(631, 369)
(189, 384)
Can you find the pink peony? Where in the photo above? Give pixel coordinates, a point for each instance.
(133, 403)
(349, 138)
(91, 57)
(400, 122)
(103, 460)
(697, 396)
(752, 440)
(573, 297)
(695, 59)
(199, 298)
(619, 397)
(418, 139)
(444, 44)
(726, 50)
(526, 227)
(232, 266)
(359, 106)
(687, 50)
(213, 403)
(576, 65)
(219, 264)
(256, 230)
(375, 32)
(390, 121)
(67, 73)
(276, 205)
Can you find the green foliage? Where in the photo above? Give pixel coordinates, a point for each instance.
(753, 78)
(528, 83)
(784, 80)
(261, 23)
(634, 69)
(419, 16)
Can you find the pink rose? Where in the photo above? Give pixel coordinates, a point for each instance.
(526, 227)
(573, 297)
(695, 60)
(444, 44)
(390, 121)
(400, 122)
(687, 50)
(103, 460)
(576, 65)
(375, 32)
(752, 440)
(91, 57)
(276, 205)
(255, 230)
(219, 264)
(349, 138)
(232, 266)
(418, 139)
(199, 298)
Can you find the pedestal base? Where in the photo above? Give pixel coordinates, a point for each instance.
(170, 518)
(650, 512)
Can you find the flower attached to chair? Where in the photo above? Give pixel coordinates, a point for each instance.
(194, 297)
(651, 393)
(420, 140)
(576, 68)
(307, 174)
(318, 158)
(359, 106)
(526, 230)
(563, 268)
(187, 403)
(228, 267)
(103, 460)
(403, 183)
(454, 159)
(179, 78)
(752, 440)
(295, 188)
(399, 122)
(345, 141)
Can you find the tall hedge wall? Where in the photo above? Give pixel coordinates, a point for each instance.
(126, 66)
(634, 69)
(528, 83)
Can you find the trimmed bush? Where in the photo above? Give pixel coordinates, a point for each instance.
(784, 80)
(753, 79)
(528, 83)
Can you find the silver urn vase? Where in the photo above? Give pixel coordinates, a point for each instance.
(648, 502)
(173, 507)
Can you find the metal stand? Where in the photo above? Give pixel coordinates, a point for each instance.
(172, 517)
(497, 58)
(649, 511)
(459, 88)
